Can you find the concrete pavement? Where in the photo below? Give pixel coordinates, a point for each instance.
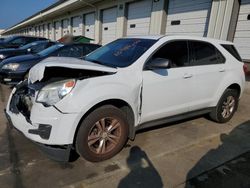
(166, 156)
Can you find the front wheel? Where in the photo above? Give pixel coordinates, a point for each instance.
(226, 107)
(102, 134)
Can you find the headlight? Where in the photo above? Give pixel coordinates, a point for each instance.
(2, 56)
(11, 66)
(53, 93)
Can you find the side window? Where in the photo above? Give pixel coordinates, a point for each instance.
(220, 57)
(88, 48)
(38, 48)
(176, 52)
(205, 54)
(232, 50)
(29, 40)
(18, 41)
(50, 44)
(69, 51)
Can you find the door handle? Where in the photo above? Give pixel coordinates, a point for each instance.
(185, 76)
(222, 70)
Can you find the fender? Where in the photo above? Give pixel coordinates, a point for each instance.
(229, 80)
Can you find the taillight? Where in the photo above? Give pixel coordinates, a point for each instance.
(245, 68)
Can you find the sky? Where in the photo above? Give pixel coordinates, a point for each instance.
(14, 11)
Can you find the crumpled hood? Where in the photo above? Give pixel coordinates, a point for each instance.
(37, 72)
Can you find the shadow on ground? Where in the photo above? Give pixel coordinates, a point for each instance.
(234, 173)
(142, 172)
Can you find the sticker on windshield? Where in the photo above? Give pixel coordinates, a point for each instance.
(126, 48)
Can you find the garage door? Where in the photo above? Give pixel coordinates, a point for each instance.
(40, 30)
(109, 17)
(57, 30)
(89, 29)
(36, 31)
(138, 17)
(65, 29)
(45, 31)
(49, 31)
(242, 33)
(188, 17)
(76, 23)
(33, 32)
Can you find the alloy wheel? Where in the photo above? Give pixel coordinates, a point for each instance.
(104, 135)
(228, 107)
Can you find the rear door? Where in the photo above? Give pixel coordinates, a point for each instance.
(209, 71)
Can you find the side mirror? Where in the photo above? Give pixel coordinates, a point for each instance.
(158, 63)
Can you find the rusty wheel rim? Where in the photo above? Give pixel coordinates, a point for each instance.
(104, 135)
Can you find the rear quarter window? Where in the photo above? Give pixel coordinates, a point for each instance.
(232, 50)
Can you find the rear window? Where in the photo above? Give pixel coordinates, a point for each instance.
(232, 50)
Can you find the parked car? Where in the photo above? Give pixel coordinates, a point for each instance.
(15, 69)
(75, 39)
(31, 48)
(93, 106)
(18, 41)
(1, 39)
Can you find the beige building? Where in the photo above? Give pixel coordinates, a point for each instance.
(106, 20)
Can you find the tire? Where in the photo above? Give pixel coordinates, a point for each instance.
(219, 113)
(94, 142)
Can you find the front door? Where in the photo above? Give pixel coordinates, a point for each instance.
(167, 92)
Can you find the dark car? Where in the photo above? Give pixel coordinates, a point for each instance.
(15, 69)
(31, 48)
(18, 41)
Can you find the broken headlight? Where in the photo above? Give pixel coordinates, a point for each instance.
(54, 92)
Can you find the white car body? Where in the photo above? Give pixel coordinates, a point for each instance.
(184, 89)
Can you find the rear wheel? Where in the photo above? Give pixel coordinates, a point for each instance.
(226, 107)
(102, 134)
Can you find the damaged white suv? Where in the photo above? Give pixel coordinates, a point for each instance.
(93, 106)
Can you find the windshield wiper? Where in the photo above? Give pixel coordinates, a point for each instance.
(100, 63)
(93, 61)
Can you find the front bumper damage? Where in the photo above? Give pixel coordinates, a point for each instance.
(44, 126)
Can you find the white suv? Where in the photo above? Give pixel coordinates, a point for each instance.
(93, 106)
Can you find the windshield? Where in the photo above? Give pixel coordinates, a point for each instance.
(50, 50)
(121, 52)
(28, 45)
